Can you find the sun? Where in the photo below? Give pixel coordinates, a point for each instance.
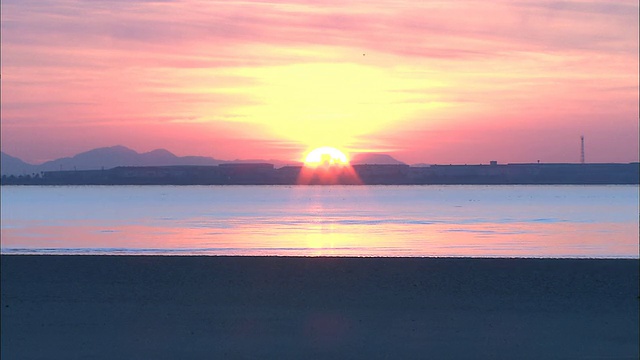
(325, 156)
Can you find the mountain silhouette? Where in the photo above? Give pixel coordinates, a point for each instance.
(10, 165)
(110, 157)
(106, 157)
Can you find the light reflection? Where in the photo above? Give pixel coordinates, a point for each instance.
(328, 174)
(337, 221)
(333, 239)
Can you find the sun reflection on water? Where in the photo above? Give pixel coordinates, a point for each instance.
(332, 221)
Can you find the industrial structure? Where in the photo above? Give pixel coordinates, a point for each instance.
(582, 149)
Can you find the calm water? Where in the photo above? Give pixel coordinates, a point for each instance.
(476, 221)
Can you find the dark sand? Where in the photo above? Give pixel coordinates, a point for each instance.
(125, 307)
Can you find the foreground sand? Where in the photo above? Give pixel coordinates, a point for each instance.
(122, 307)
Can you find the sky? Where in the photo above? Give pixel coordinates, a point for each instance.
(437, 82)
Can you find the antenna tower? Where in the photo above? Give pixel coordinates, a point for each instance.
(582, 149)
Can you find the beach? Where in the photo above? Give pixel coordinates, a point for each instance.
(188, 307)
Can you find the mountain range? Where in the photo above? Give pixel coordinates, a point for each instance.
(110, 157)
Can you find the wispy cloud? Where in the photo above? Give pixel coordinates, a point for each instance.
(395, 64)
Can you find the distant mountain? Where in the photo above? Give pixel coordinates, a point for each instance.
(107, 158)
(11, 165)
(110, 157)
(374, 159)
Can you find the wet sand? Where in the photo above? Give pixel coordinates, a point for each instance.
(151, 307)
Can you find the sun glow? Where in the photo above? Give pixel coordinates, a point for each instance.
(307, 103)
(325, 156)
(327, 165)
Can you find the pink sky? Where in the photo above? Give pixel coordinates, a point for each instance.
(427, 82)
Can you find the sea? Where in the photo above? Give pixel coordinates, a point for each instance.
(536, 221)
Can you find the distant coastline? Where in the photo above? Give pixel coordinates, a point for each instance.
(397, 174)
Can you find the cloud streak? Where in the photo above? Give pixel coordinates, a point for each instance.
(411, 65)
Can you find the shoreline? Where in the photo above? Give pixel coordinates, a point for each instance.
(357, 174)
(82, 252)
(122, 306)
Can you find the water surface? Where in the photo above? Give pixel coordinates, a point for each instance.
(475, 221)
